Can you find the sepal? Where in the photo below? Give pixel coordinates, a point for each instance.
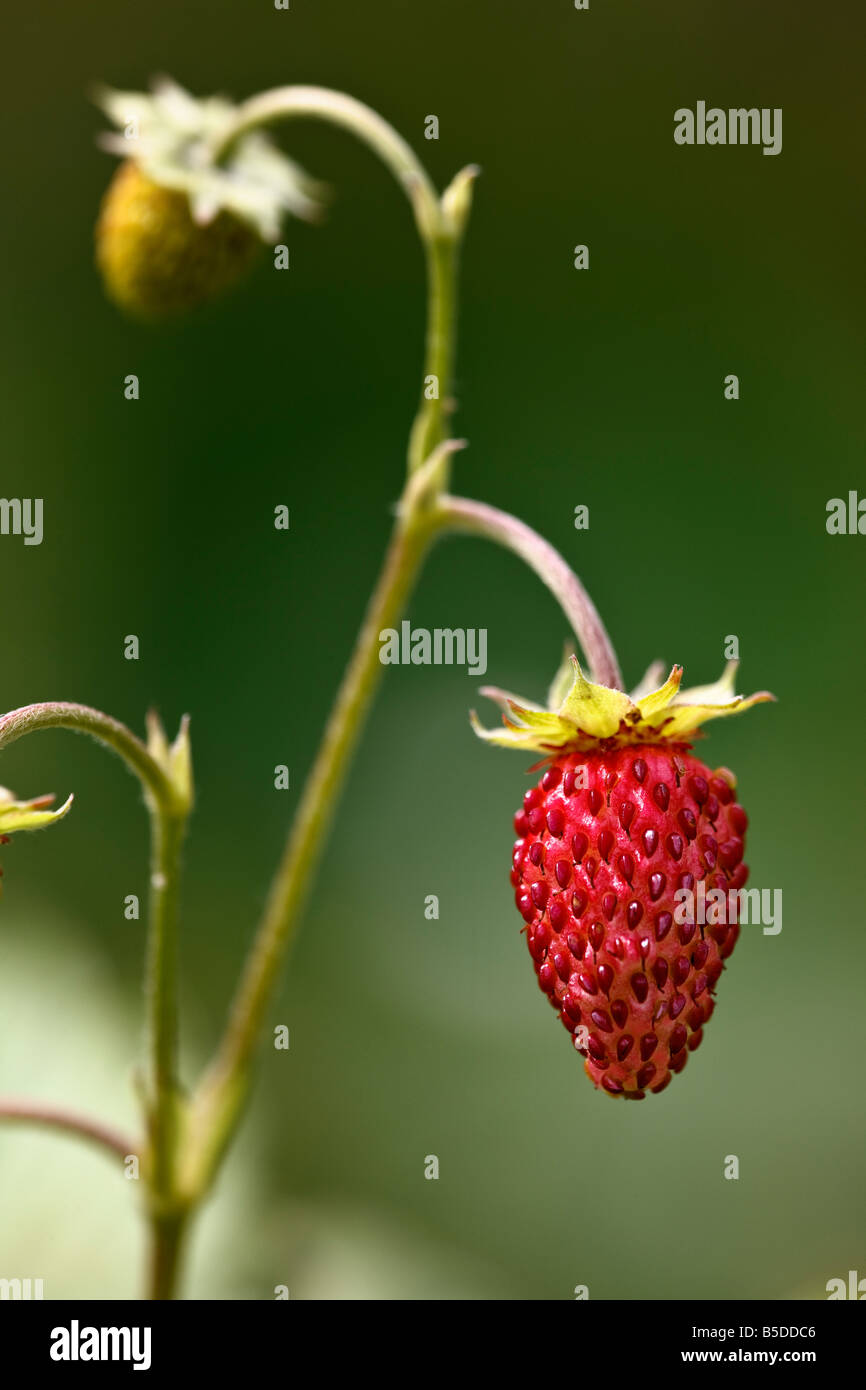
(171, 135)
(583, 716)
(175, 759)
(28, 815)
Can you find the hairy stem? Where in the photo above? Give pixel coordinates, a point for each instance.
(82, 720)
(35, 1112)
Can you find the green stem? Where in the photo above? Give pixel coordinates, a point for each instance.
(225, 1084)
(224, 1087)
(83, 720)
(439, 231)
(168, 804)
(166, 840)
(167, 1240)
(429, 428)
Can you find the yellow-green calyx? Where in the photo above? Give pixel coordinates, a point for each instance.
(582, 717)
(175, 759)
(27, 815)
(171, 136)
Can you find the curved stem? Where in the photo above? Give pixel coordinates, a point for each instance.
(168, 805)
(34, 1112)
(477, 519)
(82, 720)
(283, 103)
(439, 233)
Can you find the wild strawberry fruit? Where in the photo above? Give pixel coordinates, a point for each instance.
(194, 201)
(155, 260)
(626, 831)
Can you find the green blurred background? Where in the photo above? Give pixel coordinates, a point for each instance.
(411, 1037)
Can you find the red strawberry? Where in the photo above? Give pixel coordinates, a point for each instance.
(606, 839)
(619, 844)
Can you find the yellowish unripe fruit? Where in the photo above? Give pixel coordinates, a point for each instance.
(155, 260)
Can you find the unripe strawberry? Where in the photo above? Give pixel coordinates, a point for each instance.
(624, 844)
(193, 202)
(155, 260)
